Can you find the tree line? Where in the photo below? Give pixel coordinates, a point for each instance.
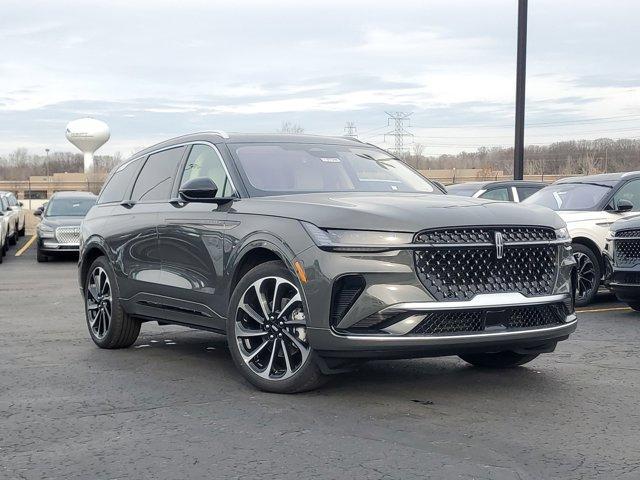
(575, 157)
(21, 164)
(581, 157)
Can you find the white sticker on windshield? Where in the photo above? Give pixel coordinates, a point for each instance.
(330, 160)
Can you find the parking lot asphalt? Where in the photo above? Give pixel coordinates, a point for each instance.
(173, 406)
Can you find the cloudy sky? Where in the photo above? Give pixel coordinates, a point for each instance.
(155, 69)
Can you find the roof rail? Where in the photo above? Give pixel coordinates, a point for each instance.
(222, 133)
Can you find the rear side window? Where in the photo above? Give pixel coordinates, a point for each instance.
(116, 187)
(526, 192)
(156, 177)
(501, 194)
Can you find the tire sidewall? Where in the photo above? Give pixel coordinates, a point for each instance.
(303, 379)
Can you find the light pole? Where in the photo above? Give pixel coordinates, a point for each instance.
(47, 163)
(518, 151)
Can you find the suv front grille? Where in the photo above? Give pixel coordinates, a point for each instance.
(627, 248)
(470, 321)
(68, 235)
(474, 266)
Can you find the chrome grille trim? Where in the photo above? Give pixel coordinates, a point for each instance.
(68, 235)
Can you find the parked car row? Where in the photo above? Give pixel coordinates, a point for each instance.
(589, 205)
(12, 222)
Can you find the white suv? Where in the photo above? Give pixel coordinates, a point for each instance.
(18, 208)
(589, 205)
(6, 217)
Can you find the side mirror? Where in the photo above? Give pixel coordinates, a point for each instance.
(201, 190)
(624, 206)
(20, 204)
(37, 212)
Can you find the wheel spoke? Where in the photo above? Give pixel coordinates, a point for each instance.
(252, 313)
(255, 352)
(273, 355)
(296, 342)
(264, 305)
(93, 292)
(245, 332)
(295, 299)
(283, 346)
(274, 301)
(92, 306)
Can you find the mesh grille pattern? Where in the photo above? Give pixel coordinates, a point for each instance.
(628, 233)
(451, 322)
(627, 252)
(68, 235)
(469, 321)
(462, 273)
(485, 235)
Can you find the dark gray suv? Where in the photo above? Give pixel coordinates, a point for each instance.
(313, 254)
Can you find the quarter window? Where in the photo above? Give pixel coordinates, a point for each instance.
(156, 177)
(204, 161)
(629, 191)
(116, 187)
(526, 192)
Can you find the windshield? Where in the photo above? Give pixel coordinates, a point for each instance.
(285, 168)
(570, 196)
(69, 207)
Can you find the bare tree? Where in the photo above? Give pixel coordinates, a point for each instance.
(290, 127)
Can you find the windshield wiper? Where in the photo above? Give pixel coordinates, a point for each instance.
(587, 183)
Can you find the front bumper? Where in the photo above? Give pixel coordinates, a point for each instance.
(50, 245)
(391, 286)
(623, 282)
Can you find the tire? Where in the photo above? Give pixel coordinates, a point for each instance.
(23, 230)
(293, 367)
(118, 330)
(634, 306)
(41, 257)
(589, 274)
(499, 359)
(13, 239)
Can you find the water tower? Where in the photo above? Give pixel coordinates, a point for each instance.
(88, 134)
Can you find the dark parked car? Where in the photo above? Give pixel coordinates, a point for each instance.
(314, 253)
(59, 230)
(506, 191)
(622, 260)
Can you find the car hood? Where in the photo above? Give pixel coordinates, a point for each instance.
(402, 212)
(570, 216)
(55, 222)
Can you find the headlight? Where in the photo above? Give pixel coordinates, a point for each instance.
(356, 240)
(563, 234)
(45, 232)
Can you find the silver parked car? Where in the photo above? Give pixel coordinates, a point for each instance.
(17, 206)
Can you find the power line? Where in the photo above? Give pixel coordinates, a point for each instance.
(399, 131)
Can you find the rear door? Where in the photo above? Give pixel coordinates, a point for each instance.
(137, 218)
(191, 243)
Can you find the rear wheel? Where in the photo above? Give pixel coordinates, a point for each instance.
(22, 231)
(13, 239)
(109, 325)
(589, 274)
(267, 331)
(498, 360)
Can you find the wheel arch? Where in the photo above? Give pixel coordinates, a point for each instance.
(254, 253)
(90, 252)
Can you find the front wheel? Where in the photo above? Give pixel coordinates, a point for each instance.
(589, 274)
(109, 325)
(41, 257)
(13, 239)
(499, 359)
(267, 331)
